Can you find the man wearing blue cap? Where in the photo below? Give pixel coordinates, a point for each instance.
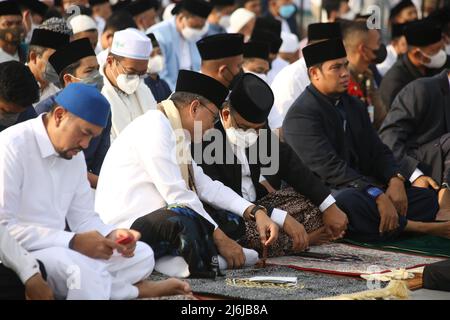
(44, 154)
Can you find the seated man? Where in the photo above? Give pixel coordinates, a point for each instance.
(425, 58)
(20, 274)
(44, 186)
(149, 167)
(416, 129)
(15, 106)
(76, 62)
(301, 211)
(331, 132)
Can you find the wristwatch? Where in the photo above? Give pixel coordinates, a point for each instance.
(400, 176)
(374, 192)
(254, 210)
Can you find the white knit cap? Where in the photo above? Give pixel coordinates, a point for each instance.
(82, 23)
(290, 43)
(239, 19)
(131, 43)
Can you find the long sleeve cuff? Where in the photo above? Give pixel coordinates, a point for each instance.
(278, 216)
(328, 202)
(239, 205)
(29, 270)
(416, 174)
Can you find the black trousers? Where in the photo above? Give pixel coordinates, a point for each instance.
(11, 287)
(364, 218)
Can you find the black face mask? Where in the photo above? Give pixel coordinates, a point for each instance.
(235, 79)
(380, 54)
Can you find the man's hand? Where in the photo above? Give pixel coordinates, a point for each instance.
(94, 245)
(36, 288)
(396, 192)
(266, 228)
(267, 186)
(388, 214)
(335, 221)
(93, 180)
(296, 231)
(229, 249)
(425, 182)
(129, 247)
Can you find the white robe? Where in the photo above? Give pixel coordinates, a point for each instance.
(277, 65)
(126, 107)
(39, 192)
(4, 56)
(289, 84)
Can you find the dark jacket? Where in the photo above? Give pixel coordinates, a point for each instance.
(402, 73)
(419, 115)
(98, 147)
(28, 114)
(314, 128)
(160, 89)
(291, 169)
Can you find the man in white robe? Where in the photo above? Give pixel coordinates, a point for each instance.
(123, 72)
(44, 187)
(149, 167)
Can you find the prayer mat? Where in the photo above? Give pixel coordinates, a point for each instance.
(309, 286)
(349, 260)
(424, 245)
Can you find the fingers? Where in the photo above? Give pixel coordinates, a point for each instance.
(433, 184)
(382, 228)
(136, 234)
(113, 245)
(273, 235)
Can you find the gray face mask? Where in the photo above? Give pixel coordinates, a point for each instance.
(93, 78)
(8, 119)
(50, 75)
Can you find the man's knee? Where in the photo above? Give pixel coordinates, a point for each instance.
(423, 204)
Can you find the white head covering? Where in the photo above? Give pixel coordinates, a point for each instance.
(82, 23)
(239, 19)
(131, 43)
(290, 43)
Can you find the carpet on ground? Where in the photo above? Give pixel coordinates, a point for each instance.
(344, 259)
(419, 244)
(309, 286)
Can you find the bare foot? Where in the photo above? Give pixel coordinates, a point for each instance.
(318, 237)
(169, 287)
(443, 215)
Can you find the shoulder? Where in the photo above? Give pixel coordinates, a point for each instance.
(17, 137)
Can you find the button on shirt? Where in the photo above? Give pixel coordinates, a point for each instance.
(39, 190)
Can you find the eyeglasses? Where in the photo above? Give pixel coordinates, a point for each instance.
(216, 116)
(127, 73)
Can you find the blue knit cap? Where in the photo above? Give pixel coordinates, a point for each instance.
(86, 102)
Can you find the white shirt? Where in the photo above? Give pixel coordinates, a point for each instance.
(289, 84)
(4, 56)
(277, 65)
(101, 57)
(140, 174)
(391, 58)
(40, 190)
(13, 256)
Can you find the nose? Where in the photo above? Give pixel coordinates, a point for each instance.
(85, 143)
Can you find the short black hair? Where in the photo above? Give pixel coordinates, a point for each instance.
(120, 20)
(17, 84)
(332, 5)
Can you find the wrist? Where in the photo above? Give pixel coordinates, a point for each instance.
(72, 242)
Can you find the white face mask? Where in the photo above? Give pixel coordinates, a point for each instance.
(437, 61)
(224, 22)
(192, 34)
(128, 83)
(241, 138)
(349, 15)
(155, 64)
(262, 76)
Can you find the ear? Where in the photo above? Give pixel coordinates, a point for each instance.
(58, 115)
(67, 79)
(417, 54)
(314, 73)
(32, 56)
(225, 113)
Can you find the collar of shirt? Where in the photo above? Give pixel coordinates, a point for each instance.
(43, 140)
